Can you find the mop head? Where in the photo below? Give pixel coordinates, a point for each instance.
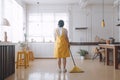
(76, 70)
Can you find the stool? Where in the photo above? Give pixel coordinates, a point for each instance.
(22, 59)
(31, 56)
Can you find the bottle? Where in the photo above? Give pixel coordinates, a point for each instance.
(108, 41)
(5, 36)
(112, 40)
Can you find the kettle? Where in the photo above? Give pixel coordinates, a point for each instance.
(112, 40)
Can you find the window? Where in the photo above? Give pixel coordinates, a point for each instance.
(42, 25)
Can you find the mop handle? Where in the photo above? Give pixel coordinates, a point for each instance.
(72, 57)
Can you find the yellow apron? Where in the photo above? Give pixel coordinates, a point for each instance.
(61, 49)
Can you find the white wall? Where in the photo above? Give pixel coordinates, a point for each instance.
(0, 11)
(24, 6)
(78, 20)
(90, 17)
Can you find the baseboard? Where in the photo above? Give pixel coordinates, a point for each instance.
(46, 58)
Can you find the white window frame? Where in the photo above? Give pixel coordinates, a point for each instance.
(42, 37)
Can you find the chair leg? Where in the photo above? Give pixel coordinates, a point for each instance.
(104, 60)
(101, 58)
(95, 56)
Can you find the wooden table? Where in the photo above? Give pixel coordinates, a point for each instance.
(115, 48)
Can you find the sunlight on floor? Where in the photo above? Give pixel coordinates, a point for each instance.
(46, 69)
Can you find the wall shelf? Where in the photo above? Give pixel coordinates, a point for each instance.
(81, 28)
(118, 25)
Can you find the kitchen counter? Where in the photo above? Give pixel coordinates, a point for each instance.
(7, 43)
(7, 60)
(89, 43)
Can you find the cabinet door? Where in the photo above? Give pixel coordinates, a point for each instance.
(4, 61)
(1, 64)
(7, 60)
(10, 59)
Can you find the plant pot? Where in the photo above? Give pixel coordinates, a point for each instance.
(107, 41)
(82, 57)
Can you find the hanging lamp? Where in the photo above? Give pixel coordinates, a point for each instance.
(118, 14)
(38, 4)
(103, 21)
(5, 22)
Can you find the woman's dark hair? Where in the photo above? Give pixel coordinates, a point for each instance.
(60, 23)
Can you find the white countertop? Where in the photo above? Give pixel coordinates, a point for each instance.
(7, 43)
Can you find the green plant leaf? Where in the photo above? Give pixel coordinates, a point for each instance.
(82, 52)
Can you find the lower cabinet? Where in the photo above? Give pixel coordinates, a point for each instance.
(7, 61)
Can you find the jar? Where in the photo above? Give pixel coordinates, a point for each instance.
(112, 40)
(5, 36)
(107, 41)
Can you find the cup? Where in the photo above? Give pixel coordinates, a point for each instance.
(107, 41)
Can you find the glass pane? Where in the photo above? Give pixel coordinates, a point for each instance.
(35, 17)
(35, 29)
(48, 17)
(43, 30)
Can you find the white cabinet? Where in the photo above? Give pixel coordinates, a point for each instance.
(42, 50)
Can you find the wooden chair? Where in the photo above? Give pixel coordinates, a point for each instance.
(100, 53)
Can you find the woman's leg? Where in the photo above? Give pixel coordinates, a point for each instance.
(59, 63)
(64, 64)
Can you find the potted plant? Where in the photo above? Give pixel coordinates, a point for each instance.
(82, 53)
(23, 45)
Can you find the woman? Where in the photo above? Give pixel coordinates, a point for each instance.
(61, 50)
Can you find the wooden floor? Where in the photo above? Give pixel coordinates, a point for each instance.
(46, 69)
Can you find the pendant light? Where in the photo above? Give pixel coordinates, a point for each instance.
(118, 14)
(38, 11)
(103, 22)
(5, 22)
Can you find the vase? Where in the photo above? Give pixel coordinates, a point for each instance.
(107, 41)
(82, 57)
(5, 36)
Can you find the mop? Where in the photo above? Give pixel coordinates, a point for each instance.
(75, 68)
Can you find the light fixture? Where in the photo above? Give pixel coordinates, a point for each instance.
(38, 4)
(103, 21)
(118, 14)
(118, 25)
(5, 22)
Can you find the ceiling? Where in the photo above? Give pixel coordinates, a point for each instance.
(68, 1)
(51, 1)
